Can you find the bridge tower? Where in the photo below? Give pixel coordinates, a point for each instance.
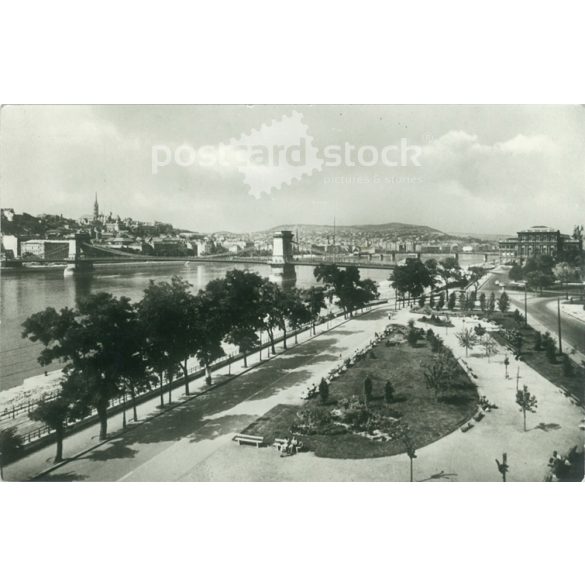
(282, 263)
(77, 263)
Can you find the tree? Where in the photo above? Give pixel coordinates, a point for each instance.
(538, 279)
(490, 347)
(388, 392)
(503, 302)
(503, 467)
(515, 272)
(482, 302)
(550, 347)
(516, 341)
(245, 338)
(212, 314)
(296, 311)
(91, 341)
(240, 300)
(368, 389)
(432, 301)
(480, 330)
(471, 298)
(409, 447)
(10, 447)
(565, 273)
(168, 317)
(476, 273)
(491, 306)
(537, 341)
(467, 339)
(441, 301)
(270, 298)
(323, 390)
(314, 299)
(422, 300)
(526, 401)
(452, 301)
(440, 373)
(54, 414)
(350, 290)
(411, 278)
(568, 369)
(448, 269)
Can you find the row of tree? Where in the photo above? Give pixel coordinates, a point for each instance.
(412, 278)
(541, 271)
(111, 347)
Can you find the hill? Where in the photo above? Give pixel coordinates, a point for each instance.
(394, 229)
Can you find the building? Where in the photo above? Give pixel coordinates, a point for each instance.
(538, 240)
(45, 249)
(11, 245)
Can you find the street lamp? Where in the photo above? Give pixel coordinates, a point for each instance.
(559, 323)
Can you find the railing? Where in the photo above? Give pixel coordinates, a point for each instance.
(15, 410)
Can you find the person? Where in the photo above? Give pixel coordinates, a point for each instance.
(294, 445)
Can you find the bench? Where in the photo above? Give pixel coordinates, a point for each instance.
(249, 440)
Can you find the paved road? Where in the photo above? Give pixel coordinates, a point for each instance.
(543, 308)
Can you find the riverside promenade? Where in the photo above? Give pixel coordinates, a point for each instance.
(209, 417)
(192, 441)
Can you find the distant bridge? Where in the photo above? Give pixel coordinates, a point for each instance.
(80, 252)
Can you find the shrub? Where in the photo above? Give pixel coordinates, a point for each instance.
(412, 337)
(441, 301)
(482, 301)
(452, 301)
(568, 369)
(10, 445)
(323, 390)
(388, 392)
(368, 389)
(537, 341)
(436, 344)
(503, 302)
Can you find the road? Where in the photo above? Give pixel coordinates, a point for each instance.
(543, 308)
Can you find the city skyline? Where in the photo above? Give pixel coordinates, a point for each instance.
(493, 164)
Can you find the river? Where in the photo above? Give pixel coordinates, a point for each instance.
(25, 293)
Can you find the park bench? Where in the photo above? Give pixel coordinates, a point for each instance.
(249, 440)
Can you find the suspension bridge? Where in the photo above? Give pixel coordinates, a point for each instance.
(80, 255)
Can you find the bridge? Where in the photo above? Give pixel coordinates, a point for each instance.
(80, 255)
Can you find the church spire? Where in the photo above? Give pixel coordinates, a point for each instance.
(96, 208)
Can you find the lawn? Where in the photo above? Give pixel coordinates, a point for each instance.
(428, 418)
(574, 385)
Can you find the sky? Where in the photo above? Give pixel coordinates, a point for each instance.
(479, 169)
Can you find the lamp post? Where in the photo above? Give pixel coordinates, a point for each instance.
(525, 305)
(559, 323)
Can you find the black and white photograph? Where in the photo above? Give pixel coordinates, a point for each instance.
(292, 293)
